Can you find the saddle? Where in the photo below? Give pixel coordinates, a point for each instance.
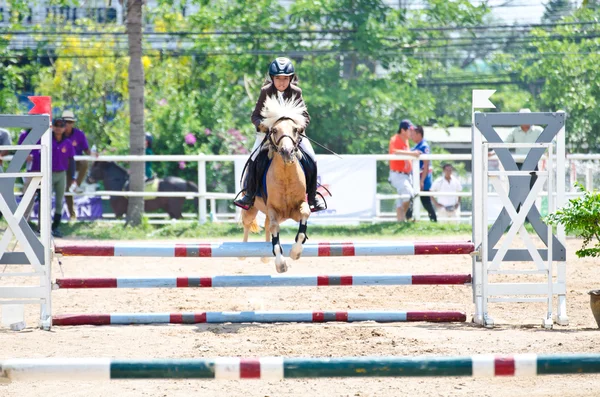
(150, 186)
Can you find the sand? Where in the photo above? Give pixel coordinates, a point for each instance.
(518, 330)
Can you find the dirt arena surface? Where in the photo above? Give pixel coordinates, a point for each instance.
(519, 330)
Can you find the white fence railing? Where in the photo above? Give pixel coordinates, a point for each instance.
(205, 197)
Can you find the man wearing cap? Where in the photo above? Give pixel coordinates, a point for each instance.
(63, 169)
(524, 134)
(401, 170)
(80, 144)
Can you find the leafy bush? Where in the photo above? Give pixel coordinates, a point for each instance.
(581, 217)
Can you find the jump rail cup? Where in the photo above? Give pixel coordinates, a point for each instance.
(264, 249)
(256, 317)
(275, 368)
(264, 281)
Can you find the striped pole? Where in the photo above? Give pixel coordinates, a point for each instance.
(256, 317)
(264, 281)
(275, 368)
(264, 249)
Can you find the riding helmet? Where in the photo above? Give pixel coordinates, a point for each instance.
(281, 67)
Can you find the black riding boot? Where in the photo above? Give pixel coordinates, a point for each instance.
(315, 202)
(249, 187)
(55, 225)
(254, 174)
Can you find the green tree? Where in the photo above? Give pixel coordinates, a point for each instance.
(90, 62)
(581, 217)
(565, 61)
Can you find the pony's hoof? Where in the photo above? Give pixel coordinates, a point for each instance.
(296, 251)
(265, 259)
(282, 267)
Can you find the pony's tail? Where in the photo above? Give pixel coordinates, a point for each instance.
(254, 227)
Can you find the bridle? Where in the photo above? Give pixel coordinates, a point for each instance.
(275, 145)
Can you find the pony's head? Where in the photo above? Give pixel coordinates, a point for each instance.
(103, 169)
(96, 172)
(286, 123)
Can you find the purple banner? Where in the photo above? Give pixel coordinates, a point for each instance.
(87, 208)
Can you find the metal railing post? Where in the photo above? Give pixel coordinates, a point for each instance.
(201, 189)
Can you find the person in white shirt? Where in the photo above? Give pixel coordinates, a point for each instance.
(5, 140)
(524, 134)
(448, 206)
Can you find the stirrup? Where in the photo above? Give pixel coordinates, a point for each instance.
(238, 203)
(315, 209)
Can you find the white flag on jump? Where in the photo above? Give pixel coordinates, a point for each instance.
(481, 99)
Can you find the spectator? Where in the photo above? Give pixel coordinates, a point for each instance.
(5, 140)
(149, 173)
(422, 146)
(63, 169)
(449, 206)
(33, 165)
(401, 170)
(80, 144)
(524, 134)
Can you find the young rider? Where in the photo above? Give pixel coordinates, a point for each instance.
(283, 83)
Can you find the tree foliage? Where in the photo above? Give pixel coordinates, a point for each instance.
(565, 60)
(581, 217)
(374, 66)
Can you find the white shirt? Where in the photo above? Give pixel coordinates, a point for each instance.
(517, 135)
(444, 185)
(5, 139)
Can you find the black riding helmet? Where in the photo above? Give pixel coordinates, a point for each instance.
(281, 67)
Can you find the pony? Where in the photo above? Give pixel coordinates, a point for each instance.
(285, 188)
(116, 178)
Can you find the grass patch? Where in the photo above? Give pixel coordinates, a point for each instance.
(105, 231)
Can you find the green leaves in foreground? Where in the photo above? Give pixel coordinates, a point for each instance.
(581, 217)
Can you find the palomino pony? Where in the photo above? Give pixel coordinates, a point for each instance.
(285, 180)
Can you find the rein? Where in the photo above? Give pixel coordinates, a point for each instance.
(275, 145)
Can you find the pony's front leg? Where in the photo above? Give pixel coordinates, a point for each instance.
(301, 236)
(280, 263)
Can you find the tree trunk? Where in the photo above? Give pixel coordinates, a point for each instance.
(137, 138)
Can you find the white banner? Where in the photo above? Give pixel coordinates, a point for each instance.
(352, 183)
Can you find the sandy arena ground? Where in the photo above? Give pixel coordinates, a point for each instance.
(519, 331)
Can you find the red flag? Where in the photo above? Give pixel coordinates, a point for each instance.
(41, 105)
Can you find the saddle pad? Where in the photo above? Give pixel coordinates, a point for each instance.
(151, 186)
(262, 190)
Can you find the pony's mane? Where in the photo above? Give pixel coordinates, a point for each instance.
(117, 166)
(273, 111)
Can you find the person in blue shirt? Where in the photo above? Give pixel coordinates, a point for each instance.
(421, 146)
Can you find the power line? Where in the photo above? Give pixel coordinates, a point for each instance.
(297, 31)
